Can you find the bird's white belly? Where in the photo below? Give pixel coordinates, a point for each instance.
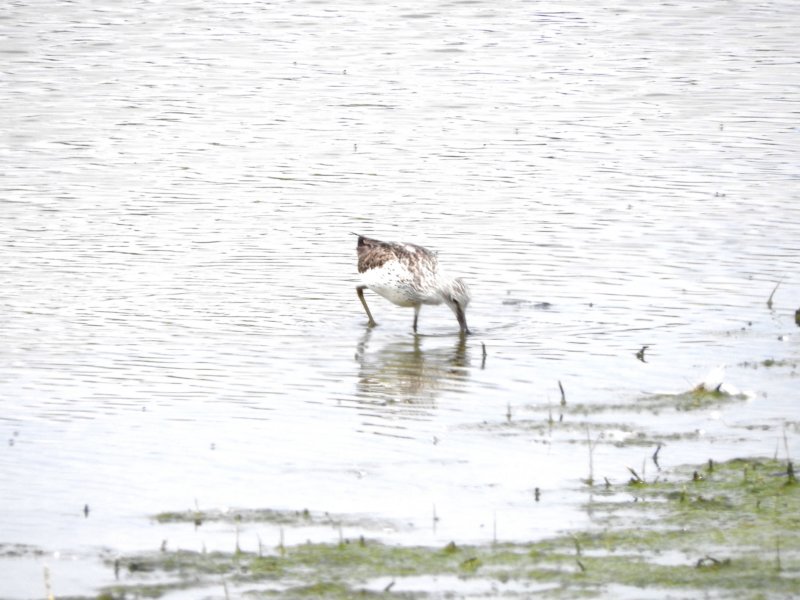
(395, 295)
(396, 284)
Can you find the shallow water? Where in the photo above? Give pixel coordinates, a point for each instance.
(179, 322)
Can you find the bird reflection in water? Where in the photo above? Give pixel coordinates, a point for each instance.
(403, 376)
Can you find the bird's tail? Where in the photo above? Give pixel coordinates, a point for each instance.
(362, 239)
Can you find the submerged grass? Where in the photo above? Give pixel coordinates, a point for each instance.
(697, 398)
(729, 530)
(568, 421)
(287, 518)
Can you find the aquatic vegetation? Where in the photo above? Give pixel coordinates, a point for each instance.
(771, 362)
(280, 517)
(698, 398)
(568, 422)
(730, 529)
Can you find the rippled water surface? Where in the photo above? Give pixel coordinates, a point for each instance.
(179, 325)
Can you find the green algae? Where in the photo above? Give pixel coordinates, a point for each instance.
(698, 398)
(584, 423)
(770, 363)
(729, 530)
(288, 518)
(570, 419)
(619, 434)
(278, 517)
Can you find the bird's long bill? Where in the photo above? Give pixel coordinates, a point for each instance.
(462, 320)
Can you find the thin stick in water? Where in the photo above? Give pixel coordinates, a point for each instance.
(775, 289)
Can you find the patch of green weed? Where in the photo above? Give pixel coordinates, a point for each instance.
(728, 530)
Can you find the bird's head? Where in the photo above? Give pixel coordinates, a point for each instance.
(456, 295)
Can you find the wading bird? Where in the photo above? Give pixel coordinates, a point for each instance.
(408, 275)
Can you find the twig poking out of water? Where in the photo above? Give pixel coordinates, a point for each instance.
(577, 543)
(786, 445)
(563, 395)
(537, 494)
(508, 412)
(775, 289)
(590, 443)
(655, 457)
(640, 354)
(635, 480)
(483, 359)
(389, 586)
(198, 514)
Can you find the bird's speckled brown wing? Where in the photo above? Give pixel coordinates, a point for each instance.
(373, 254)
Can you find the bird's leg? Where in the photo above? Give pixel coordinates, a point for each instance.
(416, 316)
(360, 290)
